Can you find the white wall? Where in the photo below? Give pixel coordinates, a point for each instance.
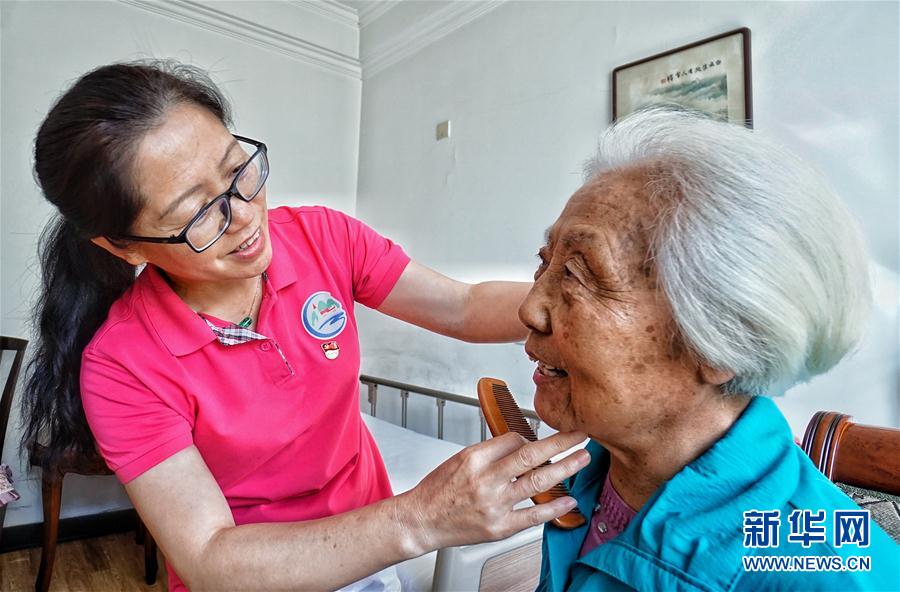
(527, 88)
(307, 113)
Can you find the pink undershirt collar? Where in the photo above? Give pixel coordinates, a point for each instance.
(611, 516)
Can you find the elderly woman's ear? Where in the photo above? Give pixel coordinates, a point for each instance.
(714, 376)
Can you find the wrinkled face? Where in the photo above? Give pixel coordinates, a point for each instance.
(600, 330)
(181, 166)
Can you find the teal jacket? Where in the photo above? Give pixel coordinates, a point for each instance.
(690, 534)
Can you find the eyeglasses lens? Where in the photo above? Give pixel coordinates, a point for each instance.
(253, 176)
(210, 226)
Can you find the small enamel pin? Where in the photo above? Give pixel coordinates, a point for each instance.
(331, 349)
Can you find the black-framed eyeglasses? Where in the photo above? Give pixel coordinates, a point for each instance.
(213, 219)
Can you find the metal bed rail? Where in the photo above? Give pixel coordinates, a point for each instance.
(440, 397)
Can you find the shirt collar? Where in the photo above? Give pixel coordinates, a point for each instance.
(181, 329)
(281, 270)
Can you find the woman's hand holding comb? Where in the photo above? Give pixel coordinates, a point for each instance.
(471, 497)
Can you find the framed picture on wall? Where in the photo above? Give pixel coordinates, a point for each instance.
(711, 75)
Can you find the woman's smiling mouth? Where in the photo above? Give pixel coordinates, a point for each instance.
(249, 242)
(545, 369)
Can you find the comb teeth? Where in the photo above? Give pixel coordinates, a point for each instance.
(515, 419)
(502, 414)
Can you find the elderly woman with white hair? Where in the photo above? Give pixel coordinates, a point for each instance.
(698, 270)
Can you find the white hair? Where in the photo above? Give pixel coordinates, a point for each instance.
(763, 267)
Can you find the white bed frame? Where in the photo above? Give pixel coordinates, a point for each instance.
(512, 564)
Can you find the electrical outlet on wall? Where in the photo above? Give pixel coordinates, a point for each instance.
(443, 130)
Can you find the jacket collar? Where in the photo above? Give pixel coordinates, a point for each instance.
(688, 535)
(564, 545)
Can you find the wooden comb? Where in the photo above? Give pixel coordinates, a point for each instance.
(502, 414)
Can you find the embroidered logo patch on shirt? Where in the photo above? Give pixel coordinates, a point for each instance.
(323, 316)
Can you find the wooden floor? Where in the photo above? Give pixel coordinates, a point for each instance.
(108, 564)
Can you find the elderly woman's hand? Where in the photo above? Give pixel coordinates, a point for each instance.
(471, 497)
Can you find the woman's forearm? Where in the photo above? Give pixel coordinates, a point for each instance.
(470, 498)
(186, 512)
(491, 313)
(487, 312)
(313, 555)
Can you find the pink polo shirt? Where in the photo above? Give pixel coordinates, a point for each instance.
(277, 420)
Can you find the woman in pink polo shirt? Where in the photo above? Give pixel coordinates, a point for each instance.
(221, 385)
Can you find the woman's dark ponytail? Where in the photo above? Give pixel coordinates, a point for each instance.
(84, 151)
(79, 283)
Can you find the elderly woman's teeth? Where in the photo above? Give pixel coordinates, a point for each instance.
(551, 371)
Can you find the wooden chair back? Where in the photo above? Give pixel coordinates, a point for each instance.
(860, 455)
(13, 344)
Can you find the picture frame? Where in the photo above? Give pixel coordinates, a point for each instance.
(711, 75)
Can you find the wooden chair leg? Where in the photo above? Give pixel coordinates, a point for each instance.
(151, 565)
(139, 532)
(2, 520)
(51, 496)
